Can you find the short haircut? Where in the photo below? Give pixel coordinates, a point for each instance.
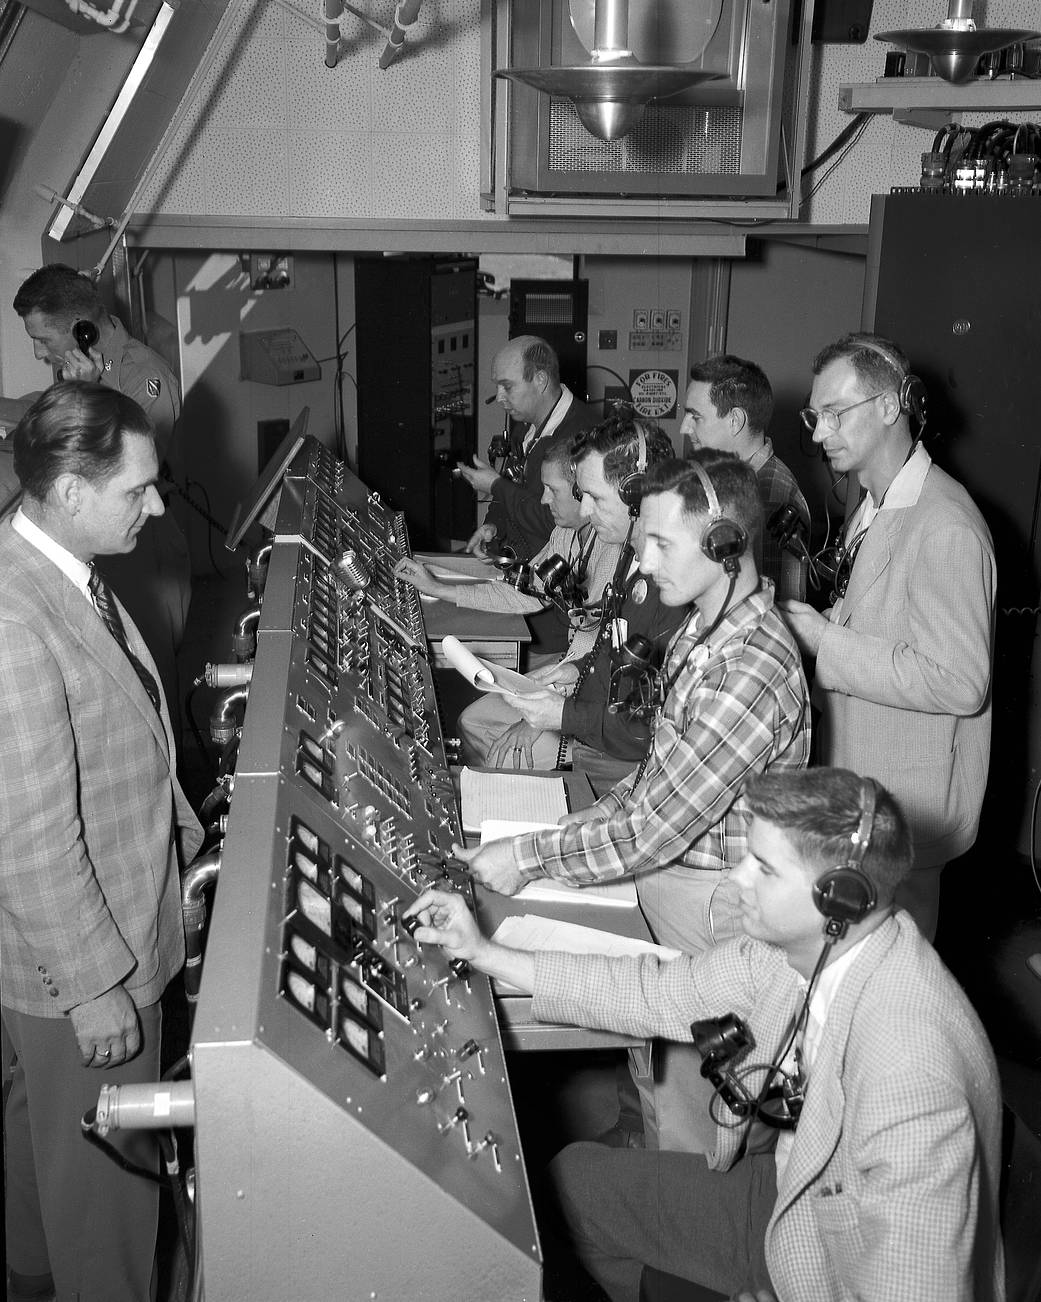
(735, 382)
(61, 294)
(733, 479)
(558, 453)
(74, 428)
(879, 363)
(537, 355)
(617, 439)
(820, 809)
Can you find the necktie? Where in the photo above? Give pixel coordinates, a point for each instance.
(109, 612)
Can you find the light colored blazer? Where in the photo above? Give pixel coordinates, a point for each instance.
(91, 813)
(903, 676)
(891, 1186)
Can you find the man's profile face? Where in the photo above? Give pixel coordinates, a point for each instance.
(669, 547)
(521, 398)
(776, 889)
(702, 426)
(600, 504)
(51, 339)
(557, 495)
(112, 513)
(861, 432)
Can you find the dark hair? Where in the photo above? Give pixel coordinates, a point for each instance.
(820, 809)
(60, 293)
(617, 439)
(879, 363)
(74, 428)
(537, 355)
(734, 382)
(733, 479)
(558, 453)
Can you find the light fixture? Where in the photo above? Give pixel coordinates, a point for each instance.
(956, 45)
(611, 92)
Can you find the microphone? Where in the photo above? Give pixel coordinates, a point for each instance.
(488, 401)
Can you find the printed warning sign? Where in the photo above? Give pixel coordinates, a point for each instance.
(654, 393)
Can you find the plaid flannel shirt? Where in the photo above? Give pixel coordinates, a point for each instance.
(737, 706)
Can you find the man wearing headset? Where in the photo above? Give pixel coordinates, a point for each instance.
(526, 375)
(728, 407)
(886, 1186)
(731, 703)
(904, 654)
(607, 743)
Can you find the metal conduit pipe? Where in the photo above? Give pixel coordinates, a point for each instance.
(199, 874)
(333, 10)
(222, 726)
(256, 567)
(405, 16)
(244, 635)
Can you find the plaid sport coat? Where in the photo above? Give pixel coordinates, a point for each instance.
(92, 818)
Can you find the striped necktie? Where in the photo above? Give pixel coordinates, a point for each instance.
(109, 612)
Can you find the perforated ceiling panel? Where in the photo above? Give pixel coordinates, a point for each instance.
(275, 133)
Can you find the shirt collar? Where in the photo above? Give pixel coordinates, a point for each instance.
(761, 456)
(75, 570)
(906, 486)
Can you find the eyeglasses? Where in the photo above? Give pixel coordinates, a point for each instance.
(830, 419)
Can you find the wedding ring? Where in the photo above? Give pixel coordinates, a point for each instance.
(103, 1053)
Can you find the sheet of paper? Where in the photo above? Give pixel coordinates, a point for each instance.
(621, 893)
(484, 674)
(515, 797)
(529, 932)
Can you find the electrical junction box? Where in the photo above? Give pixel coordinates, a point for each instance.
(276, 357)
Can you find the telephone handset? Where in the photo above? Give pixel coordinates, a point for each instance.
(86, 335)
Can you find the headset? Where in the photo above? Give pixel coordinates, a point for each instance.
(630, 487)
(723, 540)
(86, 335)
(846, 894)
(912, 394)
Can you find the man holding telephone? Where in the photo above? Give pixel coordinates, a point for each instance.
(72, 330)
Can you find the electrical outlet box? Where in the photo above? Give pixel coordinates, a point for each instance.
(641, 319)
(607, 339)
(276, 357)
(657, 319)
(673, 319)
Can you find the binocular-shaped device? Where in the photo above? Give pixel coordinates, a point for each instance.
(512, 465)
(555, 575)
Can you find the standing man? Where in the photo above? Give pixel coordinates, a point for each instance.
(903, 672)
(887, 1187)
(731, 703)
(526, 375)
(92, 828)
(153, 581)
(728, 407)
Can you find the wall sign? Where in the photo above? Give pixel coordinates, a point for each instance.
(654, 393)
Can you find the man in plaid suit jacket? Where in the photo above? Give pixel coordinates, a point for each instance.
(92, 826)
(888, 1186)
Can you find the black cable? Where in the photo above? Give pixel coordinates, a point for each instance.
(623, 383)
(190, 485)
(847, 132)
(189, 711)
(88, 1132)
(849, 145)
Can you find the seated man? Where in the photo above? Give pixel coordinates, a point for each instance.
(888, 1186)
(590, 562)
(730, 702)
(607, 744)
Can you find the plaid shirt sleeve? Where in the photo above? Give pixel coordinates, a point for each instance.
(728, 716)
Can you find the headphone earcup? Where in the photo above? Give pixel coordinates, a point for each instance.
(630, 491)
(914, 397)
(844, 895)
(724, 540)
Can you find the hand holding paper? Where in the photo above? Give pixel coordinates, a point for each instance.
(543, 709)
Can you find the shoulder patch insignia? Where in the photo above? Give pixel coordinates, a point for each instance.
(154, 386)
